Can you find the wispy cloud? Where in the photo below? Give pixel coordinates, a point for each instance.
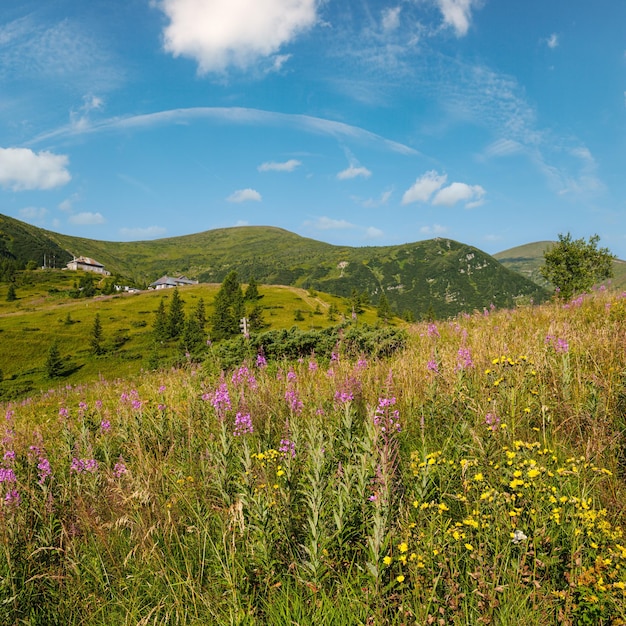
(433, 231)
(22, 169)
(354, 171)
(286, 166)
(32, 214)
(371, 232)
(329, 223)
(244, 195)
(374, 203)
(149, 232)
(221, 34)
(457, 14)
(552, 41)
(86, 219)
(391, 19)
(234, 115)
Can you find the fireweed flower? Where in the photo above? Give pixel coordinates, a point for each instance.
(432, 366)
(8, 416)
(433, 331)
(261, 361)
(9, 456)
(312, 366)
(84, 465)
(492, 421)
(464, 359)
(343, 396)
(293, 401)
(44, 469)
(221, 399)
(119, 469)
(243, 425)
(12, 498)
(63, 412)
(287, 447)
(386, 417)
(105, 426)
(7, 475)
(291, 375)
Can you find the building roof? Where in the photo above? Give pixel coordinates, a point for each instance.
(85, 260)
(169, 281)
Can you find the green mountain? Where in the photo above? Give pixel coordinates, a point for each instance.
(527, 259)
(438, 276)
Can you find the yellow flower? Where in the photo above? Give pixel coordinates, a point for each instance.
(443, 507)
(387, 560)
(469, 546)
(400, 578)
(478, 477)
(533, 473)
(403, 547)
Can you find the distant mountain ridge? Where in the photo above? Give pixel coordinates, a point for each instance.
(527, 259)
(437, 276)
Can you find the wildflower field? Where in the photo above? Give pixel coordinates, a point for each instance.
(475, 477)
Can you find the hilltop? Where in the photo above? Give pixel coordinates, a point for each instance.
(527, 259)
(438, 277)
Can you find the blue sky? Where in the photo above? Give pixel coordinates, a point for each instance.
(357, 122)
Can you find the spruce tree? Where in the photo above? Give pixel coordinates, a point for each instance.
(200, 314)
(11, 295)
(252, 292)
(228, 308)
(159, 328)
(54, 362)
(175, 316)
(192, 336)
(95, 341)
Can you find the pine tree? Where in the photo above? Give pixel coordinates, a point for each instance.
(200, 314)
(11, 295)
(192, 336)
(54, 362)
(228, 308)
(252, 292)
(159, 328)
(95, 340)
(175, 316)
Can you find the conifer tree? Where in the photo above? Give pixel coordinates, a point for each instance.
(11, 295)
(200, 314)
(160, 323)
(228, 308)
(95, 341)
(175, 316)
(54, 362)
(252, 292)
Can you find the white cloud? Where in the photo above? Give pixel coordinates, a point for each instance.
(33, 214)
(223, 33)
(143, 233)
(353, 172)
(424, 187)
(391, 19)
(503, 147)
(22, 169)
(553, 41)
(242, 223)
(456, 192)
(86, 219)
(457, 13)
(243, 195)
(434, 230)
(371, 232)
(374, 203)
(67, 205)
(328, 223)
(272, 166)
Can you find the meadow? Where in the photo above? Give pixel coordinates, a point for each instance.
(476, 477)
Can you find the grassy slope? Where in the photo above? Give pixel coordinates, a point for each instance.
(29, 325)
(440, 275)
(527, 259)
(185, 522)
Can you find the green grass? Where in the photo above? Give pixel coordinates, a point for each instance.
(475, 478)
(44, 313)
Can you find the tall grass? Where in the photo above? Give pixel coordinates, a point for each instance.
(476, 478)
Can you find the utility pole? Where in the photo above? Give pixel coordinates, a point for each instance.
(243, 324)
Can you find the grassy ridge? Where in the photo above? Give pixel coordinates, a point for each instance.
(438, 276)
(476, 478)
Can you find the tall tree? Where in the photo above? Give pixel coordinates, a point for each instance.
(175, 316)
(11, 295)
(228, 308)
(383, 311)
(159, 328)
(252, 292)
(200, 314)
(575, 265)
(54, 362)
(95, 340)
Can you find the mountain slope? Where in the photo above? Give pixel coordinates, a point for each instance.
(527, 259)
(439, 276)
